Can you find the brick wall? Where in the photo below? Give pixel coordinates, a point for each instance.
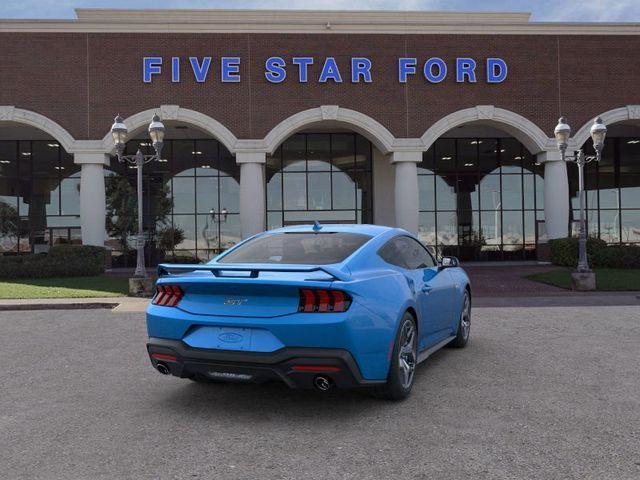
(82, 80)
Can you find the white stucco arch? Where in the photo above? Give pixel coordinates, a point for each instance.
(10, 113)
(176, 113)
(629, 112)
(527, 132)
(373, 130)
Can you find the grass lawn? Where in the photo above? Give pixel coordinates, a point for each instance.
(607, 279)
(72, 287)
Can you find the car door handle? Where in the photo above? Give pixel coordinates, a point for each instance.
(427, 288)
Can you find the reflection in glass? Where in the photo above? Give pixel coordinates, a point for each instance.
(610, 225)
(201, 178)
(332, 184)
(512, 192)
(343, 191)
(274, 192)
(295, 191)
(496, 201)
(447, 228)
(206, 195)
(426, 192)
(445, 195)
(319, 191)
(630, 222)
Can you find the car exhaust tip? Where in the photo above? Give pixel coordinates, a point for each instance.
(163, 369)
(322, 383)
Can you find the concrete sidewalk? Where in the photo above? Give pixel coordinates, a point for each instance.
(118, 304)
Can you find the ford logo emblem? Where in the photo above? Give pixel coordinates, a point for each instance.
(230, 337)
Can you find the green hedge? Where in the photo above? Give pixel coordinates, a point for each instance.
(564, 252)
(618, 256)
(61, 261)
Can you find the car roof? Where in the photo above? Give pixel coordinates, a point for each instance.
(372, 230)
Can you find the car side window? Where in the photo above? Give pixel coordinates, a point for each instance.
(415, 254)
(391, 254)
(407, 253)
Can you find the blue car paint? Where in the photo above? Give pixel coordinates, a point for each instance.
(381, 294)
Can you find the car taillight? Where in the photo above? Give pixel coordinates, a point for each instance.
(323, 301)
(167, 295)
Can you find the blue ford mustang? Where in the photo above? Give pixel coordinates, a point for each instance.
(313, 306)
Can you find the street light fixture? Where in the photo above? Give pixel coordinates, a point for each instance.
(119, 133)
(598, 133)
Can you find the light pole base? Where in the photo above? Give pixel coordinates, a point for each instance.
(583, 281)
(141, 287)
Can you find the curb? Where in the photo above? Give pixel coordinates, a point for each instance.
(57, 306)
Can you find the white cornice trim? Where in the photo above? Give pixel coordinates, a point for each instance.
(297, 16)
(303, 21)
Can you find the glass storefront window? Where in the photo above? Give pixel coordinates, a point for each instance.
(320, 176)
(612, 188)
(39, 196)
(201, 180)
(480, 198)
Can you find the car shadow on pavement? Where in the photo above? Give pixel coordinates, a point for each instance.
(275, 399)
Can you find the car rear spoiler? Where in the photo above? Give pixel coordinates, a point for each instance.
(166, 269)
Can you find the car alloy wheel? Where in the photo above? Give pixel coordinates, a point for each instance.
(465, 318)
(407, 354)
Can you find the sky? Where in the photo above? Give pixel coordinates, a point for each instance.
(542, 10)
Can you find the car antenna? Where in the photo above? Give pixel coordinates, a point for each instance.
(316, 226)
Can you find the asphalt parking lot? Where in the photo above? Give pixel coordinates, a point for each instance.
(539, 393)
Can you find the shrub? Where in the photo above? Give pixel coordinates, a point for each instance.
(169, 237)
(564, 251)
(618, 256)
(61, 261)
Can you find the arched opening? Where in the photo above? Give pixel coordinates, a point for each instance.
(322, 173)
(612, 186)
(481, 195)
(323, 164)
(190, 201)
(39, 190)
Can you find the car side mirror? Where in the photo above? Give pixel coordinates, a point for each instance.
(449, 262)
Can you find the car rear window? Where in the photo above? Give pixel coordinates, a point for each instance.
(297, 248)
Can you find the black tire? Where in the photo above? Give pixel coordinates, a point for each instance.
(405, 348)
(464, 324)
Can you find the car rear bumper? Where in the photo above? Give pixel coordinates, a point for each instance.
(296, 367)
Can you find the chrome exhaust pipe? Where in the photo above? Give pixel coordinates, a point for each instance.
(163, 369)
(322, 383)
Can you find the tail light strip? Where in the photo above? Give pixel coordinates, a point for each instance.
(323, 301)
(167, 295)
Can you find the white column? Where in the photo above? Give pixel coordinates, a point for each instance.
(92, 197)
(252, 192)
(556, 194)
(406, 189)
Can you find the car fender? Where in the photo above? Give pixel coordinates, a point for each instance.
(386, 296)
(461, 283)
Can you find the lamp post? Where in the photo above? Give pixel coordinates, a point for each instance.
(562, 133)
(119, 133)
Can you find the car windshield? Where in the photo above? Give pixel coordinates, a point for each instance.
(297, 248)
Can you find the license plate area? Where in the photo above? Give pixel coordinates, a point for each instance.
(232, 338)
